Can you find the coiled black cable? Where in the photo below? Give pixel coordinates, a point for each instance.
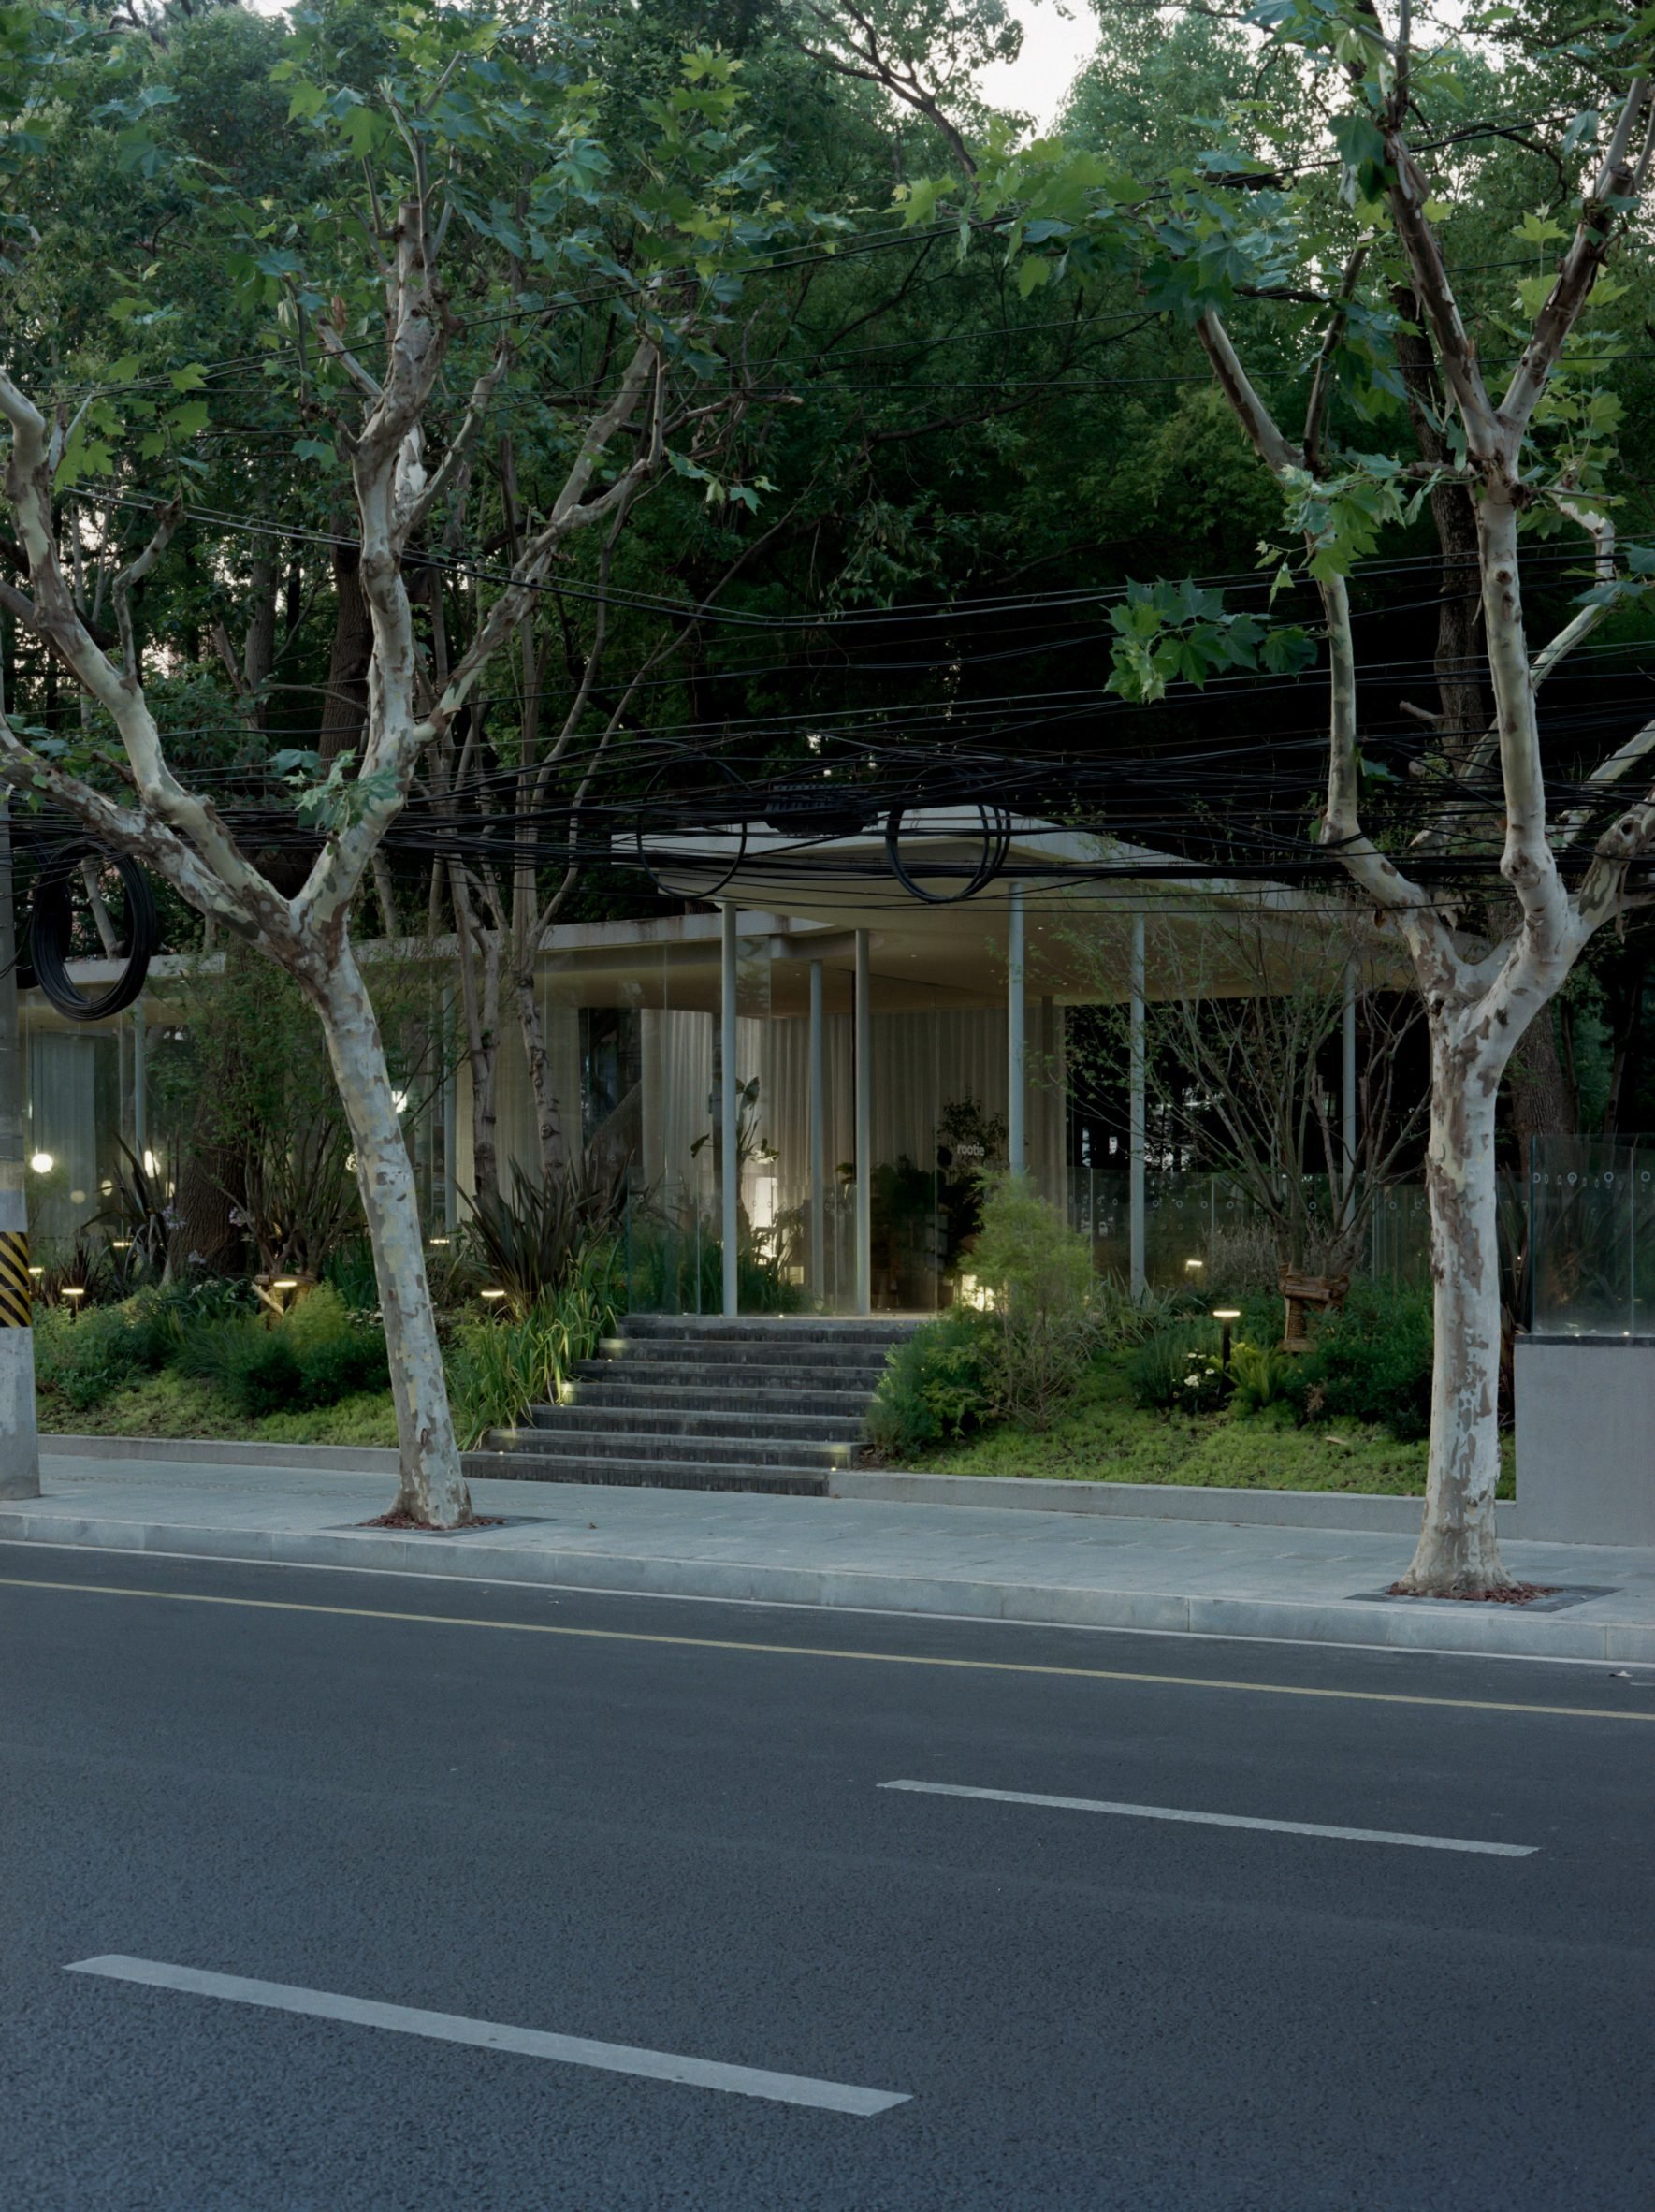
(52, 923)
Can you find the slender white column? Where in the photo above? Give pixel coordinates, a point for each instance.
(864, 1132)
(20, 1453)
(1135, 1140)
(729, 1103)
(1016, 1036)
(818, 1282)
(1347, 1085)
(450, 1120)
(140, 1081)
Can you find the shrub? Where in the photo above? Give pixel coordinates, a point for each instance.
(350, 1271)
(318, 1354)
(528, 1243)
(1262, 1376)
(1177, 1369)
(86, 1358)
(934, 1386)
(1372, 1361)
(1043, 1328)
(498, 1368)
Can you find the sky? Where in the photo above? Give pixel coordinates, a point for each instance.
(1058, 36)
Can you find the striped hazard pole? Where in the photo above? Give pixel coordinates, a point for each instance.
(15, 1296)
(20, 1450)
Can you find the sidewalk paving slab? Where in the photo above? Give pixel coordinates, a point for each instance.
(1011, 1563)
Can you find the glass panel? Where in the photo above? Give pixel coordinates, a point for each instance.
(1592, 1251)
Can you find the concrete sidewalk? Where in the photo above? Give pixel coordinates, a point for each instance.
(1079, 1570)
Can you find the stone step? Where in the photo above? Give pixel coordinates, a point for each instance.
(525, 1466)
(608, 1388)
(734, 1421)
(736, 1451)
(768, 1328)
(731, 1383)
(758, 1357)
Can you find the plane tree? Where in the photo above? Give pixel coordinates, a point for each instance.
(476, 234)
(1501, 859)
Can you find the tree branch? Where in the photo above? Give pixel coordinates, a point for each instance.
(1616, 180)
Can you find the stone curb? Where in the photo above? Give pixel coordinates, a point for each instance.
(1487, 1630)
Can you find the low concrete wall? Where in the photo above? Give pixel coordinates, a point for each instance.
(196, 1451)
(1154, 1500)
(1586, 1438)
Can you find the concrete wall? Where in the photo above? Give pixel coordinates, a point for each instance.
(1586, 1438)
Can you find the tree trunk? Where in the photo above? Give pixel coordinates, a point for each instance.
(1543, 1102)
(431, 1491)
(1457, 1548)
(259, 646)
(548, 1127)
(478, 947)
(344, 710)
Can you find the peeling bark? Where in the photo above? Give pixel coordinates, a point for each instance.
(432, 1489)
(1457, 1550)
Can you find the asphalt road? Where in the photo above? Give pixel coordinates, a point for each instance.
(672, 1836)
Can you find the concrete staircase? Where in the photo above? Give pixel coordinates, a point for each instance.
(694, 1402)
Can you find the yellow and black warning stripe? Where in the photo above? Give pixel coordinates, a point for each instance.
(17, 1300)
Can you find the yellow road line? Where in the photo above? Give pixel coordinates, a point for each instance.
(718, 1643)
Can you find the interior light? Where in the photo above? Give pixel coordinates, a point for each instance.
(400, 1100)
(151, 1164)
(42, 1163)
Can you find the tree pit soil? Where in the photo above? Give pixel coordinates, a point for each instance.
(398, 1520)
(1512, 1593)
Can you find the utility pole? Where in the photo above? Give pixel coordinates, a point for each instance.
(20, 1450)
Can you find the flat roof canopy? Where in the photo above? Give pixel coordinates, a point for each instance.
(1203, 936)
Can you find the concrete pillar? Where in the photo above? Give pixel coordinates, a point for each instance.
(1016, 1037)
(1136, 1073)
(729, 1109)
(862, 1021)
(20, 1450)
(818, 1282)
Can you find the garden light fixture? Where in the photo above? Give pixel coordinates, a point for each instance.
(42, 1163)
(1223, 1316)
(74, 1292)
